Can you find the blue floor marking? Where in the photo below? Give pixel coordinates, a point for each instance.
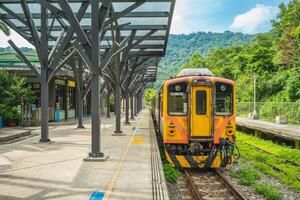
(97, 196)
(133, 128)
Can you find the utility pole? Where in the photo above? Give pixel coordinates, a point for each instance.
(255, 113)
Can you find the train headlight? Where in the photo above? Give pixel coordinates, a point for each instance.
(171, 132)
(229, 131)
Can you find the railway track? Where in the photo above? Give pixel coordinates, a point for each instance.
(211, 185)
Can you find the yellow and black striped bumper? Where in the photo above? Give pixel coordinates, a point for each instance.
(184, 161)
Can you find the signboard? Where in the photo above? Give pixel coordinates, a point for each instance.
(71, 84)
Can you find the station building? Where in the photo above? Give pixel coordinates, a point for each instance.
(62, 88)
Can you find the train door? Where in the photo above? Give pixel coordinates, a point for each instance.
(200, 111)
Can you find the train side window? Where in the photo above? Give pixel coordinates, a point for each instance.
(161, 108)
(201, 102)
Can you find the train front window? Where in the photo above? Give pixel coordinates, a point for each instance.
(177, 99)
(224, 99)
(201, 102)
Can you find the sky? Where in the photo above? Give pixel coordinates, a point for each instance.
(246, 16)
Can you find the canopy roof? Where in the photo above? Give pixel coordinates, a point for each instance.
(150, 19)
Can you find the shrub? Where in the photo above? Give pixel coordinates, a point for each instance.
(268, 191)
(246, 175)
(171, 173)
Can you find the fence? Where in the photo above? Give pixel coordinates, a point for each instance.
(268, 111)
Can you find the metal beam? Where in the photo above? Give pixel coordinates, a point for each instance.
(123, 12)
(60, 65)
(32, 28)
(74, 22)
(80, 1)
(61, 45)
(144, 14)
(22, 57)
(125, 27)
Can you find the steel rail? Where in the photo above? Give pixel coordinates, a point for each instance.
(197, 195)
(231, 188)
(192, 186)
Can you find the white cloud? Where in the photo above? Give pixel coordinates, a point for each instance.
(16, 38)
(255, 20)
(191, 15)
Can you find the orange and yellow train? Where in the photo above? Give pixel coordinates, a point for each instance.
(195, 115)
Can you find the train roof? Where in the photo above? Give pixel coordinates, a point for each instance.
(201, 74)
(195, 72)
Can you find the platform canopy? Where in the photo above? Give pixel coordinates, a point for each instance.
(147, 21)
(121, 40)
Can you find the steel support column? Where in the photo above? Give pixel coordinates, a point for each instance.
(135, 105)
(127, 108)
(138, 104)
(44, 76)
(79, 87)
(118, 90)
(95, 84)
(108, 105)
(118, 108)
(131, 107)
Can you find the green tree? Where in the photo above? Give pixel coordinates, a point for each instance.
(149, 96)
(196, 61)
(4, 28)
(13, 92)
(286, 28)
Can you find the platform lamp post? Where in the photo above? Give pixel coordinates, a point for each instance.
(254, 113)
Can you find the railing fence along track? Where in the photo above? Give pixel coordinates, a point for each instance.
(267, 111)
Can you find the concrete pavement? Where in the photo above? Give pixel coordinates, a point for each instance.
(57, 171)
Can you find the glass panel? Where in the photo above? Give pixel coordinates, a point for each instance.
(224, 99)
(34, 8)
(15, 7)
(121, 6)
(177, 99)
(201, 102)
(162, 42)
(144, 20)
(154, 6)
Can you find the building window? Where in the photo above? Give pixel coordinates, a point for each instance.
(60, 93)
(71, 98)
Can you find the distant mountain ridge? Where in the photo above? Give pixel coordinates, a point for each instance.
(23, 49)
(181, 47)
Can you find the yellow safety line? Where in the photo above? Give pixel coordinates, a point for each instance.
(120, 164)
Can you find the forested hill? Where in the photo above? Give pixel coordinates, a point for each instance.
(181, 47)
(23, 49)
(274, 57)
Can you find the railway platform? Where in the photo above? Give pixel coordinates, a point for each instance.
(29, 170)
(286, 131)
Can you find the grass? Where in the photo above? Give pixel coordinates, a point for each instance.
(175, 198)
(285, 152)
(249, 176)
(268, 191)
(246, 175)
(269, 164)
(171, 173)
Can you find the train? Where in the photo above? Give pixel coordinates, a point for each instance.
(194, 113)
